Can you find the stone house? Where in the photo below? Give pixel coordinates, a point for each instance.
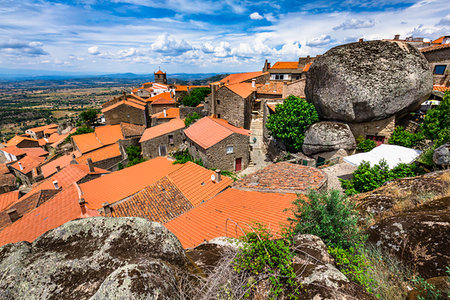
(160, 102)
(438, 56)
(161, 139)
(22, 142)
(160, 77)
(219, 144)
(42, 131)
(27, 169)
(165, 116)
(289, 70)
(128, 109)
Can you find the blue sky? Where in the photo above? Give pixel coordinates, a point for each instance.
(198, 36)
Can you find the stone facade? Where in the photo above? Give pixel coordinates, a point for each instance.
(127, 114)
(382, 128)
(439, 57)
(217, 157)
(170, 141)
(296, 88)
(233, 108)
(156, 108)
(27, 179)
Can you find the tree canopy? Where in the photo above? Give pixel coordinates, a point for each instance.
(436, 124)
(195, 97)
(290, 121)
(89, 117)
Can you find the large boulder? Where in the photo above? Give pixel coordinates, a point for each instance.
(95, 258)
(328, 136)
(361, 82)
(441, 155)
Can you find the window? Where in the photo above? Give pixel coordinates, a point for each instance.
(439, 69)
(171, 139)
(218, 115)
(218, 102)
(229, 149)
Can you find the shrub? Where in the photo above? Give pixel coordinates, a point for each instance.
(330, 216)
(134, 155)
(89, 117)
(182, 157)
(195, 97)
(436, 124)
(365, 145)
(404, 138)
(263, 257)
(191, 119)
(290, 121)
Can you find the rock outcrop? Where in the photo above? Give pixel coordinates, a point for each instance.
(95, 258)
(361, 82)
(328, 136)
(441, 155)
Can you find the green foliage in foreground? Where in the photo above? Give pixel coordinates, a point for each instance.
(195, 97)
(404, 138)
(367, 178)
(261, 256)
(191, 118)
(436, 124)
(80, 130)
(134, 155)
(290, 121)
(365, 145)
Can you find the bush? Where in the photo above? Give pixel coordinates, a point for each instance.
(89, 117)
(182, 157)
(191, 119)
(365, 145)
(195, 97)
(436, 124)
(290, 121)
(330, 216)
(134, 155)
(263, 257)
(404, 138)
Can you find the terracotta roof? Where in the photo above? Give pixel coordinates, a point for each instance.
(272, 106)
(123, 102)
(42, 142)
(307, 66)
(283, 177)
(435, 47)
(275, 88)
(17, 139)
(7, 199)
(160, 72)
(439, 88)
(195, 183)
(285, 65)
(439, 40)
(208, 131)
(240, 77)
(50, 130)
(163, 98)
(183, 88)
(125, 183)
(131, 130)
(28, 164)
(243, 89)
(161, 129)
(3, 169)
(100, 154)
(43, 128)
(63, 207)
(37, 151)
(87, 142)
(230, 212)
(49, 168)
(159, 202)
(136, 99)
(13, 150)
(171, 113)
(103, 135)
(7, 179)
(55, 137)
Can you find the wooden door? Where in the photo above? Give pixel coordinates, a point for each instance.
(238, 164)
(162, 150)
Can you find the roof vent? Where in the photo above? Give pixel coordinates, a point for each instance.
(58, 168)
(165, 112)
(253, 83)
(13, 215)
(217, 177)
(20, 165)
(82, 203)
(55, 184)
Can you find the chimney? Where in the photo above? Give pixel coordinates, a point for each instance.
(91, 165)
(187, 88)
(82, 203)
(107, 209)
(253, 83)
(397, 37)
(13, 215)
(20, 166)
(213, 99)
(361, 40)
(58, 168)
(73, 161)
(55, 184)
(284, 92)
(218, 178)
(38, 170)
(165, 112)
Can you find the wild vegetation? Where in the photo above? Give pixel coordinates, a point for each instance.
(195, 97)
(365, 145)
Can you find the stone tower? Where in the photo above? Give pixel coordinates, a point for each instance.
(160, 77)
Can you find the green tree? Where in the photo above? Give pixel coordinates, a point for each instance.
(191, 118)
(134, 155)
(195, 97)
(89, 117)
(290, 121)
(405, 138)
(436, 124)
(365, 145)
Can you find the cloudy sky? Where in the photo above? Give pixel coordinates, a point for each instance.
(198, 36)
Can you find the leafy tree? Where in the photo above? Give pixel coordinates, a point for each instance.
(191, 118)
(290, 121)
(134, 155)
(365, 145)
(89, 117)
(405, 138)
(436, 124)
(195, 97)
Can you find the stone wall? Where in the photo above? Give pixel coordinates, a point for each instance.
(28, 144)
(127, 114)
(217, 157)
(109, 163)
(233, 108)
(150, 148)
(186, 111)
(439, 57)
(260, 79)
(296, 88)
(156, 108)
(125, 143)
(380, 128)
(27, 179)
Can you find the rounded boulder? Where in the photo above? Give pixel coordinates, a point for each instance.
(328, 136)
(366, 81)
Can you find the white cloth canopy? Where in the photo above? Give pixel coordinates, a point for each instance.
(393, 155)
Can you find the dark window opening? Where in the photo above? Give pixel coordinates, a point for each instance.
(171, 139)
(218, 102)
(439, 69)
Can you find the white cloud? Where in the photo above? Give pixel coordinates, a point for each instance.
(256, 16)
(170, 45)
(355, 24)
(19, 48)
(93, 50)
(319, 41)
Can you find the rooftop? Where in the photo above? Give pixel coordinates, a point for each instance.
(240, 77)
(208, 131)
(17, 139)
(435, 47)
(42, 128)
(285, 65)
(229, 213)
(439, 88)
(100, 154)
(123, 102)
(243, 89)
(103, 135)
(161, 129)
(13, 150)
(7, 199)
(171, 113)
(49, 169)
(161, 99)
(283, 177)
(271, 88)
(130, 130)
(28, 163)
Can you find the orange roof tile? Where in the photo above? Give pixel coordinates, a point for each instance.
(307, 66)
(439, 40)
(100, 154)
(3, 169)
(17, 139)
(109, 134)
(49, 168)
(163, 98)
(42, 142)
(161, 129)
(240, 77)
(43, 128)
(125, 183)
(13, 150)
(195, 183)
(285, 65)
(86, 142)
(434, 48)
(274, 88)
(208, 131)
(130, 130)
(184, 88)
(439, 88)
(63, 207)
(230, 212)
(160, 72)
(171, 113)
(28, 164)
(7, 199)
(37, 151)
(50, 130)
(243, 89)
(123, 102)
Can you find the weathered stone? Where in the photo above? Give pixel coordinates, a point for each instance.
(367, 81)
(441, 155)
(86, 257)
(328, 136)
